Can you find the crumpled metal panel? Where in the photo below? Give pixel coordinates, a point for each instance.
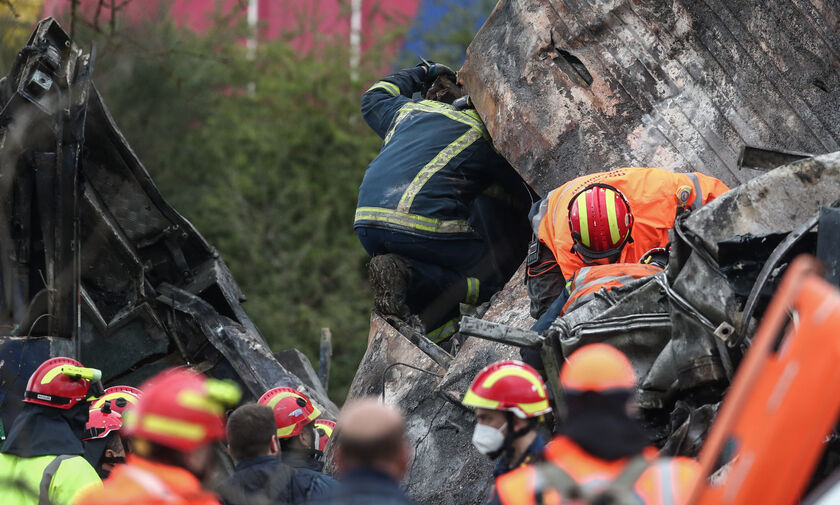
(90, 251)
(569, 87)
(447, 469)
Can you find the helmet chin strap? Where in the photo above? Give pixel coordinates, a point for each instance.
(507, 446)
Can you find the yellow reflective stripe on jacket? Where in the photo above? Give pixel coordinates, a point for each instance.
(412, 221)
(472, 291)
(468, 117)
(390, 87)
(74, 475)
(447, 330)
(435, 165)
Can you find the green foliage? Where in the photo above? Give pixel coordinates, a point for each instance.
(447, 40)
(264, 156)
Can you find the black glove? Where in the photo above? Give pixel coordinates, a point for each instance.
(438, 70)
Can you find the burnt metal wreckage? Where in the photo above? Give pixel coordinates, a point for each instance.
(746, 91)
(95, 264)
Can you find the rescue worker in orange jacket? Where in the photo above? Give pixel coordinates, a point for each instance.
(172, 430)
(607, 217)
(601, 451)
(509, 398)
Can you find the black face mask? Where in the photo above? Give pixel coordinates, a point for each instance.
(599, 424)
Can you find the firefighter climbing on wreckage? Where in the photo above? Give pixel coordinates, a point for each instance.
(608, 218)
(602, 455)
(416, 217)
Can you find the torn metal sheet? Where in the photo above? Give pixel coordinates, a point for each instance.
(570, 87)
(91, 253)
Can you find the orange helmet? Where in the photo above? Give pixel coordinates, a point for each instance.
(121, 397)
(324, 428)
(509, 385)
(292, 410)
(102, 421)
(598, 368)
(181, 409)
(60, 383)
(600, 221)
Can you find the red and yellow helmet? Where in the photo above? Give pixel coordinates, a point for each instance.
(60, 383)
(181, 409)
(292, 410)
(600, 221)
(325, 428)
(102, 421)
(509, 385)
(121, 398)
(598, 368)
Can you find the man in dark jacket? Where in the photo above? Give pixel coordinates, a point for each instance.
(371, 455)
(260, 477)
(423, 202)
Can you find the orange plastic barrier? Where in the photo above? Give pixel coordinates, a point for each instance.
(784, 399)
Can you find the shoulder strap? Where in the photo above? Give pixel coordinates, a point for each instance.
(46, 478)
(620, 491)
(551, 476)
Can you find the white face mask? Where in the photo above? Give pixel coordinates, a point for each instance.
(488, 439)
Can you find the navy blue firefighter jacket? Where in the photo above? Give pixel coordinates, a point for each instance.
(435, 160)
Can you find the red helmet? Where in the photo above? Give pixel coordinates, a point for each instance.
(181, 409)
(292, 410)
(103, 421)
(60, 383)
(600, 221)
(509, 385)
(121, 398)
(598, 368)
(324, 428)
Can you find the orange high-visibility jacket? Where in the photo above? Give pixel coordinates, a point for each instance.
(665, 481)
(654, 195)
(589, 280)
(145, 482)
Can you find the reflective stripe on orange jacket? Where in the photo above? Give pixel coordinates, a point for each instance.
(143, 482)
(654, 195)
(667, 481)
(589, 280)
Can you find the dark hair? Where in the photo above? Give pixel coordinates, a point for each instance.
(369, 452)
(249, 431)
(114, 442)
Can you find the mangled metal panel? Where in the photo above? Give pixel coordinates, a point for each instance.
(569, 87)
(91, 252)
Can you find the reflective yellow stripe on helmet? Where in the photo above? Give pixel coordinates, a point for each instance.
(473, 400)
(91, 374)
(170, 427)
(515, 372)
(533, 408)
(584, 219)
(113, 396)
(197, 401)
(285, 432)
(315, 413)
(326, 428)
(279, 396)
(611, 217)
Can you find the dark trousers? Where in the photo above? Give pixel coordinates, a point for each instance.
(439, 270)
